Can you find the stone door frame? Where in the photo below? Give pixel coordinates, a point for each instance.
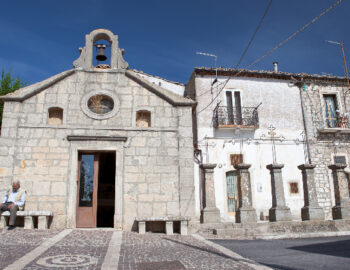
(77, 146)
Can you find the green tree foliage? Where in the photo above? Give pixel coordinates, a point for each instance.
(8, 84)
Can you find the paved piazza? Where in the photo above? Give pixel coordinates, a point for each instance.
(111, 249)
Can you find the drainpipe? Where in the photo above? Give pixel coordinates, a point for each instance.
(300, 85)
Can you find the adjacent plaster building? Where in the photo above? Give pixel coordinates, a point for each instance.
(251, 113)
(100, 145)
(269, 117)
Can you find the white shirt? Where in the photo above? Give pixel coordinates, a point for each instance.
(12, 198)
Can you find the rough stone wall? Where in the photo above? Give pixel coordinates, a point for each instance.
(148, 164)
(322, 145)
(7, 147)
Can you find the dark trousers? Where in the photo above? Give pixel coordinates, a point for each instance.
(13, 212)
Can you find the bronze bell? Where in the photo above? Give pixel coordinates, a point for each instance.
(101, 52)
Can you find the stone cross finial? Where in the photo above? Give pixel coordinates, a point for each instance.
(272, 136)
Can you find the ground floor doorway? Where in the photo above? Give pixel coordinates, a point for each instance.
(232, 192)
(95, 189)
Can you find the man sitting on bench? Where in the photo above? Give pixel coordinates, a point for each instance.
(14, 200)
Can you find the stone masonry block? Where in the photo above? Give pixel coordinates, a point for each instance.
(134, 178)
(159, 209)
(145, 197)
(41, 188)
(154, 188)
(142, 188)
(59, 188)
(145, 209)
(173, 208)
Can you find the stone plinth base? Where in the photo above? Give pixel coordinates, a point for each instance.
(246, 215)
(280, 214)
(312, 213)
(211, 215)
(341, 212)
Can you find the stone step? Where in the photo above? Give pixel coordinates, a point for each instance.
(237, 230)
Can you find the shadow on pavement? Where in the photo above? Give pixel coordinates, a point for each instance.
(337, 248)
(280, 267)
(218, 253)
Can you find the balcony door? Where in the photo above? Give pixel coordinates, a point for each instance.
(234, 113)
(330, 103)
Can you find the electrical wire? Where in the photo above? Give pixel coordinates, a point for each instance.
(253, 36)
(296, 33)
(247, 47)
(273, 49)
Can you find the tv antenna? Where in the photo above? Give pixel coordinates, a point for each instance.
(341, 44)
(215, 60)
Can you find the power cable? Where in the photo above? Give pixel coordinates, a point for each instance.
(296, 33)
(247, 47)
(253, 36)
(274, 49)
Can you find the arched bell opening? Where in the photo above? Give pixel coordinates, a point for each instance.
(102, 54)
(104, 44)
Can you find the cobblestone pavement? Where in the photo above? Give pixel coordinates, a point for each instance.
(15, 244)
(162, 252)
(81, 249)
(99, 249)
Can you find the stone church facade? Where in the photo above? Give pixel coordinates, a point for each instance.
(100, 145)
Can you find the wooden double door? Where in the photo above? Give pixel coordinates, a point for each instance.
(95, 189)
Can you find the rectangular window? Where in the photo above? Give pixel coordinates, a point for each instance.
(331, 111)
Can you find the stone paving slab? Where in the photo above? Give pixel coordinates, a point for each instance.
(163, 252)
(16, 243)
(81, 249)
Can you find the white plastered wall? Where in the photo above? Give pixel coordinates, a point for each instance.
(281, 108)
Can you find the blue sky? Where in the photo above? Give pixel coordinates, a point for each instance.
(41, 38)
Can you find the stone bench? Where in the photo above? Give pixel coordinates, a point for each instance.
(43, 218)
(169, 224)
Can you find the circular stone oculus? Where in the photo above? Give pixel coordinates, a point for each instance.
(100, 105)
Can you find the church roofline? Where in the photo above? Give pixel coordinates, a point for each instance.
(31, 90)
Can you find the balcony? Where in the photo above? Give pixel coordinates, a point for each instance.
(236, 117)
(338, 124)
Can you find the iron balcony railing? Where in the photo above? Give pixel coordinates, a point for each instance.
(337, 122)
(225, 116)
